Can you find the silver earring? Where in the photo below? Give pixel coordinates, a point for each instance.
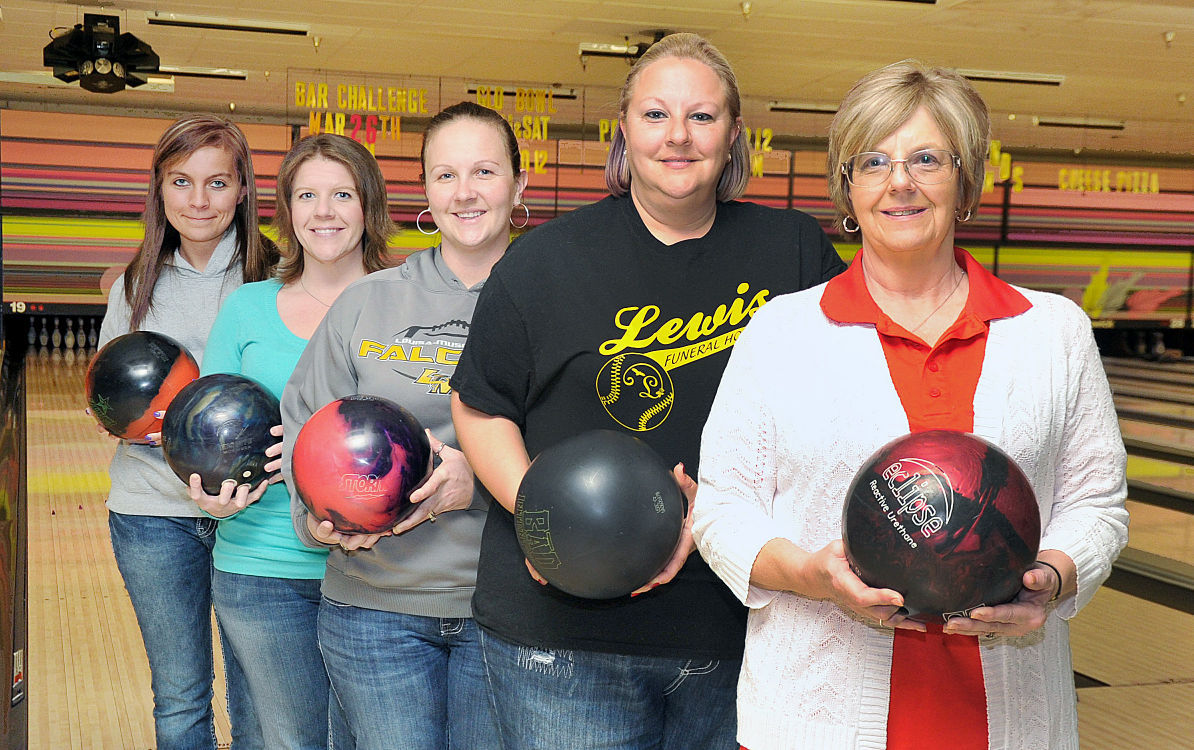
(966, 217)
(525, 221)
(847, 227)
(419, 225)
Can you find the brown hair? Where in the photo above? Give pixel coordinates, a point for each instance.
(884, 99)
(371, 189)
(472, 111)
(735, 175)
(254, 251)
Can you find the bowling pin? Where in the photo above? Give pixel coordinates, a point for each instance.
(92, 336)
(56, 336)
(32, 339)
(69, 338)
(43, 338)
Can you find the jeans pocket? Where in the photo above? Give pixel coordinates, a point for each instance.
(205, 527)
(690, 668)
(546, 661)
(334, 603)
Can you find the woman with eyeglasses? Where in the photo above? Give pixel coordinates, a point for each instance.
(915, 335)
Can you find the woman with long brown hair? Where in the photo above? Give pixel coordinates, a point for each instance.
(201, 242)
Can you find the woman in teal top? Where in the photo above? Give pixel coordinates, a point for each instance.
(334, 228)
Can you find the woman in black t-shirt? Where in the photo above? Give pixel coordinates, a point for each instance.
(655, 281)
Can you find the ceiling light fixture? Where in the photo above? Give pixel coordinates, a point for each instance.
(1082, 123)
(184, 20)
(229, 74)
(633, 51)
(1011, 76)
(98, 57)
(809, 108)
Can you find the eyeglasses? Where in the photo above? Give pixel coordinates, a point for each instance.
(929, 167)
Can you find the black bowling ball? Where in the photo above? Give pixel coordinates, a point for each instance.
(599, 514)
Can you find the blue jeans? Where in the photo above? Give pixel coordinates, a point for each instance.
(405, 681)
(270, 624)
(587, 700)
(166, 566)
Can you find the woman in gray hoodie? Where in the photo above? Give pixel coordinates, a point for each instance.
(201, 242)
(395, 622)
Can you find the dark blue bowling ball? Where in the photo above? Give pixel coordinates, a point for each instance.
(218, 427)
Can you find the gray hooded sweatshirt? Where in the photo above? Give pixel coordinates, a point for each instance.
(185, 303)
(396, 334)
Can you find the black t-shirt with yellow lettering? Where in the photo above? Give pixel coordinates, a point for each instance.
(579, 314)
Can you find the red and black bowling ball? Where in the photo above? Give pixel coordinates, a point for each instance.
(944, 518)
(133, 376)
(357, 460)
(599, 514)
(219, 427)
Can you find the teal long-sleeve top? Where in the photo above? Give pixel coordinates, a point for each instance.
(250, 339)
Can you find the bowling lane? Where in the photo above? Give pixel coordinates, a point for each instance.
(1161, 531)
(1156, 407)
(1159, 433)
(1140, 657)
(88, 675)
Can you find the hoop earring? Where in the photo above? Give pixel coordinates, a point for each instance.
(966, 217)
(419, 225)
(846, 226)
(525, 221)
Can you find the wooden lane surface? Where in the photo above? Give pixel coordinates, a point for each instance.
(88, 675)
(1144, 652)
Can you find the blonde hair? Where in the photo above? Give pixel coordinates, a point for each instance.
(371, 189)
(735, 174)
(884, 99)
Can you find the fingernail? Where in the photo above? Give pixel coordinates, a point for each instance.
(634, 594)
(159, 414)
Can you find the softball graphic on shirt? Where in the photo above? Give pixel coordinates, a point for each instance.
(634, 386)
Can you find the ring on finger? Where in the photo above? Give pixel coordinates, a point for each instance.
(440, 449)
(989, 636)
(431, 516)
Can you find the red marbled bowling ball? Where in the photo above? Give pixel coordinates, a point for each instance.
(946, 519)
(356, 461)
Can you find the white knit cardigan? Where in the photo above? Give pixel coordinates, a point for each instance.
(803, 402)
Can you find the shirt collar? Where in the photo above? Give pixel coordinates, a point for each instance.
(847, 300)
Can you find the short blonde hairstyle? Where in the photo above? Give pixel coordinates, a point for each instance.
(884, 99)
(735, 174)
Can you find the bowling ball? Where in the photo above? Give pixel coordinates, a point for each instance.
(133, 376)
(599, 514)
(357, 460)
(944, 518)
(218, 427)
